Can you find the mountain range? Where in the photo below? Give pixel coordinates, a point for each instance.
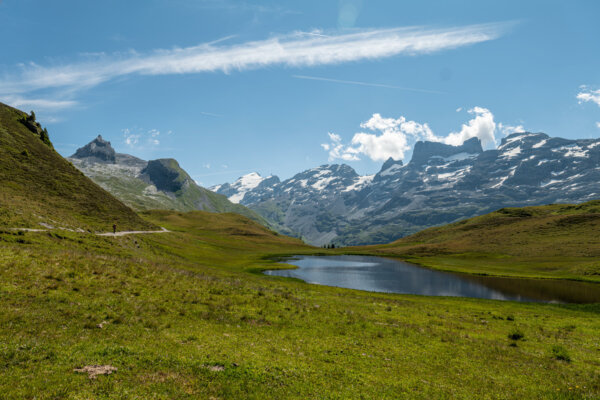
(154, 184)
(440, 184)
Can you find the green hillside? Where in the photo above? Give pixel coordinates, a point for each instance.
(39, 186)
(185, 315)
(553, 241)
(157, 184)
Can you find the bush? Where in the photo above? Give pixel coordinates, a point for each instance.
(516, 334)
(560, 353)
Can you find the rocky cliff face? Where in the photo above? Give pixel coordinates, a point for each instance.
(166, 175)
(441, 184)
(98, 150)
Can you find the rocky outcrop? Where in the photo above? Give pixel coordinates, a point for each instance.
(98, 150)
(166, 175)
(423, 151)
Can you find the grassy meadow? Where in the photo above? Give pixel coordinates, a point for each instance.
(187, 315)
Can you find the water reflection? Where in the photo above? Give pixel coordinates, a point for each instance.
(393, 276)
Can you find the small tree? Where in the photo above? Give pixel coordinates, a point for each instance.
(32, 116)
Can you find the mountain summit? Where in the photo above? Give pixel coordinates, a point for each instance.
(423, 151)
(98, 150)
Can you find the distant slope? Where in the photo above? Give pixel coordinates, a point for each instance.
(37, 185)
(558, 240)
(154, 184)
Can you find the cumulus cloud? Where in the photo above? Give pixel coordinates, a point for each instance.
(390, 137)
(393, 139)
(586, 95)
(482, 126)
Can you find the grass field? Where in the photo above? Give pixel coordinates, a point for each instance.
(186, 315)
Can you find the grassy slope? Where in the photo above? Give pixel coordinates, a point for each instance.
(179, 303)
(554, 241)
(131, 191)
(38, 185)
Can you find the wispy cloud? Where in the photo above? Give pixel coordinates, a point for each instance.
(586, 94)
(38, 104)
(141, 139)
(381, 85)
(294, 50)
(209, 114)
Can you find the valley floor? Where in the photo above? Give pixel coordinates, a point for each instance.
(186, 314)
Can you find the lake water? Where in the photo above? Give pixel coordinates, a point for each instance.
(379, 274)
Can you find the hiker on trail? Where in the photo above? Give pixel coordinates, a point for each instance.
(114, 229)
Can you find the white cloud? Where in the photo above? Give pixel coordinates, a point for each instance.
(395, 137)
(141, 138)
(295, 50)
(393, 140)
(337, 150)
(38, 104)
(482, 126)
(598, 125)
(586, 94)
(506, 130)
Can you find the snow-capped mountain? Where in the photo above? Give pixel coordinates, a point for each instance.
(440, 184)
(236, 191)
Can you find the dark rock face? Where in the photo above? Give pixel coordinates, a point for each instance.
(389, 163)
(98, 150)
(166, 175)
(441, 184)
(423, 151)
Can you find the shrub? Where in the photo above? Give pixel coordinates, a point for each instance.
(560, 353)
(516, 334)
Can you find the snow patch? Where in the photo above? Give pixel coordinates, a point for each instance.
(572, 151)
(322, 183)
(361, 182)
(391, 170)
(245, 184)
(512, 152)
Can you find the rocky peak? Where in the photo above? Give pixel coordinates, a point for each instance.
(98, 150)
(423, 151)
(166, 175)
(390, 162)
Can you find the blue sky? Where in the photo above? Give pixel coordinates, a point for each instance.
(230, 87)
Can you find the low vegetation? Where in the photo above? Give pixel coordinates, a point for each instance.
(37, 185)
(187, 314)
